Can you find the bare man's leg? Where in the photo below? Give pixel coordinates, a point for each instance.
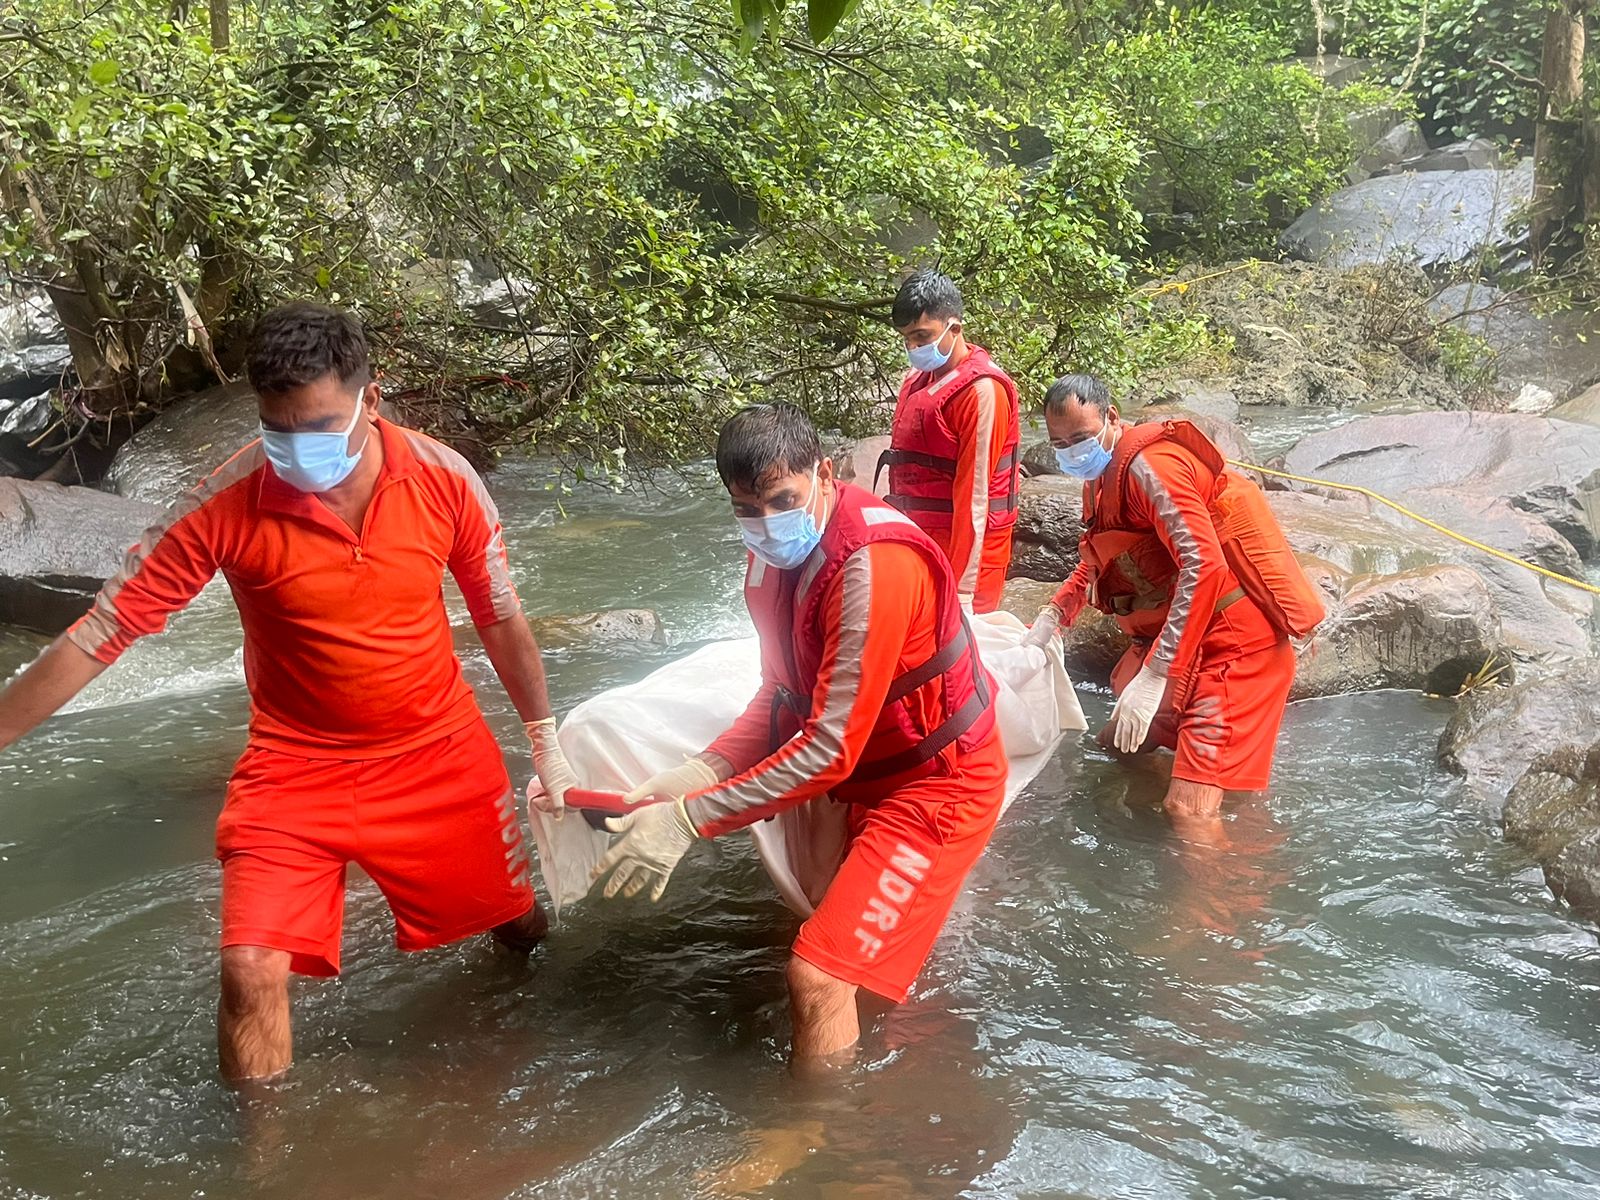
(522, 934)
(1193, 807)
(823, 1011)
(253, 1039)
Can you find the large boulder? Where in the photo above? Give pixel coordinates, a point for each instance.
(1432, 218)
(1049, 523)
(564, 631)
(857, 462)
(1539, 359)
(33, 358)
(1534, 751)
(1401, 141)
(185, 444)
(1583, 408)
(57, 546)
(1425, 629)
(1496, 734)
(1475, 154)
(1524, 484)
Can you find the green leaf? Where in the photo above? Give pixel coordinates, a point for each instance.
(823, 16)
(104, 71)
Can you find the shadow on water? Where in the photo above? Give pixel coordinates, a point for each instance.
(1347, 988)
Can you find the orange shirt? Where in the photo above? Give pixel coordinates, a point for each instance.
(347, 646)
(981, 419)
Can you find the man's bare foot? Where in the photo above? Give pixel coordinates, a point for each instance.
(769, 1156)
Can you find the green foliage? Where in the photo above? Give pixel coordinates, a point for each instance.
(678, 216)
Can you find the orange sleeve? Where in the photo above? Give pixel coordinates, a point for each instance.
(867, 615)
(749, 739)
(1073, 594)
(174, 560)
(478, 555)
(982, 426)
(1171, 490)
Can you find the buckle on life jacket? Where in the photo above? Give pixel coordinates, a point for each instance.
(953, 726)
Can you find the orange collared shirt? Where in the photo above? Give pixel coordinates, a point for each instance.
(347, 646)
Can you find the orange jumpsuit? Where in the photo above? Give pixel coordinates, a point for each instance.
(1229, 668)
(979, 554)
(912, 842)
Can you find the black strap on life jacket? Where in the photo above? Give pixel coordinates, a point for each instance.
(945, 466)
(929, 748)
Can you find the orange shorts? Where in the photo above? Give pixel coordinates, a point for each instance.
(907, 858)
(1226, 733)
(435, 828)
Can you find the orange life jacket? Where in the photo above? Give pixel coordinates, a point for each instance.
(1134, 575)
(792, 640)
(923, 449)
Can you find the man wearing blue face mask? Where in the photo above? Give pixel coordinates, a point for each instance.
(952, 457)
(366, 745)
(1188, 559)
(872, 692)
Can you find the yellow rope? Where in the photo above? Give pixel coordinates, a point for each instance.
(1182, 285)
(1434, 525)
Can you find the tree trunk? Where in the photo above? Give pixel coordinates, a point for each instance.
(219, 25)
(1558, 144)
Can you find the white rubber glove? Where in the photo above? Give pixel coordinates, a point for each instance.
(1045, 626)
(654, 838)
(555, 776)
(691, 775)
(1136, 708)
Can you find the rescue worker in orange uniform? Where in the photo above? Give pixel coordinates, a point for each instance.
(872, 693)
(953, 457)
(1188, 558)
(334, 529)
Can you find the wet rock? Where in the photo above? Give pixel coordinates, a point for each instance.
(562, 631)
(1049, 523)
(1524, 484)
(57, 546)
(1211, 401)
(1553, 811)
(1583, 408)
(1431, 218)
(1396, 144)
(1039, 458)
(1496, 734)
(33, 346)
(1427, 629)
(1539, 359)
(1090, 648)
(1475, 154)
(857, 462)
(185, 444)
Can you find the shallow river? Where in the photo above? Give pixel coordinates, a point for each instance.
(1359, 992)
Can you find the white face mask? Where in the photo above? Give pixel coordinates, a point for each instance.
(314, 462)
(784, 539)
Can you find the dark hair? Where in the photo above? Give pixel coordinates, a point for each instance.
(298, 343)
(925, 294)
(763, 441)
(1086, 389)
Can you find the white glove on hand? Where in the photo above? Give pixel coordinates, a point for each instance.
(1045, 626)
(691, 775)
(1136, 708)
(654, 838)
(555, 776)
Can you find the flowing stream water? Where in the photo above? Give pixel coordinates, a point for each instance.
(1358, 991)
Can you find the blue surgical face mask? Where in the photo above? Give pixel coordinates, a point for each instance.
(314, 462)
(784, 539)
(1086, 460)
(930, 357)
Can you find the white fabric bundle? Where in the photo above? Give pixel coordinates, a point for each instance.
(622, 736)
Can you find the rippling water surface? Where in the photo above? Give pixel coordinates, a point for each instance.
(1357, 991)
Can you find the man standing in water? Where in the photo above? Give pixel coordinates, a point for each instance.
(366, 744)
(953, 457)
(1188, 558)
(872, 693)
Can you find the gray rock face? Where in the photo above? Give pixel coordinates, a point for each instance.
(1475, 154)
(1583, 408)
(185, 444)
(1426, 628)
(612, 625)
(1049, 523)
(1432, 218)
(856, 462)
(33, 359)
(1527, 485)
(1537, 747)
(1495, 735)
(57, 546)
(1395, 145)
(1539, 359)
